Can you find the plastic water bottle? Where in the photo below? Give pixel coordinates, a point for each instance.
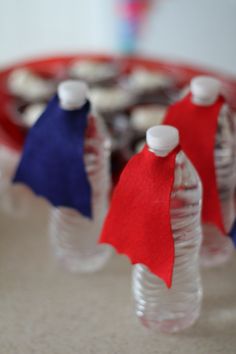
(216, 247)
(160, 308)
(73, 236)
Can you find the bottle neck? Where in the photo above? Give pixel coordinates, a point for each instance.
(203, 101)
(159, 152)
(70, 106)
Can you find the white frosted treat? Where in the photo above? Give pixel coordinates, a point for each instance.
(32, 113)
(145, 117)
(29, 86)
(92, 71)
(110, 99)
(146, 80)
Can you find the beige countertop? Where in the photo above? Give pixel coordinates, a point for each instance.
(45, 310)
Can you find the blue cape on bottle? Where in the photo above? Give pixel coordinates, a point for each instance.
(52, 163)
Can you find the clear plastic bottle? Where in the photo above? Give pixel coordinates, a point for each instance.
(73, 236)
(216, 247)
(172, 310)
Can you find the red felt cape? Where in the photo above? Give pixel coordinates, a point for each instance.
(138, 223)
(197, 127)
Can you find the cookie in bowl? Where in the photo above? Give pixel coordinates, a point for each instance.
(142, 118)
(95, 73)
(24, 114)
(30, 86)
(112, 100)
(145, 116)
(31, 113)
(150, 86)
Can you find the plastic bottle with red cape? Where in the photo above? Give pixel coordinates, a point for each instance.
(207, 131)
(156, 210)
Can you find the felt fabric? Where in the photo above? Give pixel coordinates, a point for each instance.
(52, 164)
(138, 222)
(197, 127)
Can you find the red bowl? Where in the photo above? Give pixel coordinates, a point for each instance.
(13, 135)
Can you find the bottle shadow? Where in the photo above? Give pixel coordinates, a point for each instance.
(218, 317)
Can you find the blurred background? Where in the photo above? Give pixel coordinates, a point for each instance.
(199, 32)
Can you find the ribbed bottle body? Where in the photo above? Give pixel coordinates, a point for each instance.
(73, 236)
(216, 248)
(158, 307)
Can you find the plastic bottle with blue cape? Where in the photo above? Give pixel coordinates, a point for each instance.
(53, 166)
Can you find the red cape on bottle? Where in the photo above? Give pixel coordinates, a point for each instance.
(197, 127)
(138, 223)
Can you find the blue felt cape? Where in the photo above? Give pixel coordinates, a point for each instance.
(52, 163)
(233, 233)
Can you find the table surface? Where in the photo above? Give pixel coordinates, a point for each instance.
(45, 310)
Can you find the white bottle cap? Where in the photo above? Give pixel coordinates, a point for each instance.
(162, 138)
(72, 94)
(205, 90)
